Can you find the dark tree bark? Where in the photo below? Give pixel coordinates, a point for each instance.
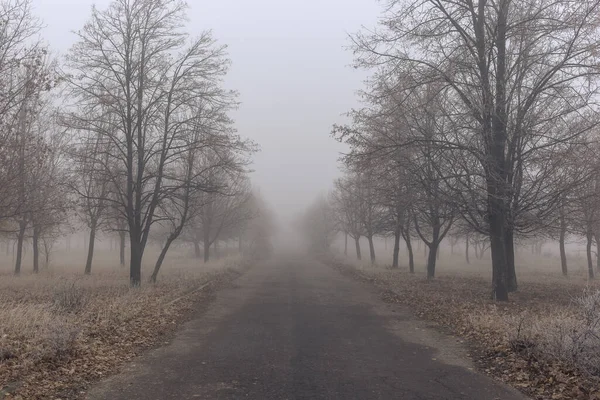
(371, 249)
(496, 184)
(510, 260)
(588, 250)
(405, 232)
(136, 254)
(91, 243)
(563, 253)
(357, 243)
(396, 248)
(433, 249)
(197, 249)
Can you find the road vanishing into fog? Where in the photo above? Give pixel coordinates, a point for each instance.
(296, 329)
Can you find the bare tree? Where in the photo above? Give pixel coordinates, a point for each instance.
(135, 58)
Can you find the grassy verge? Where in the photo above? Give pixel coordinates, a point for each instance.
(61, 331)
(545, 341)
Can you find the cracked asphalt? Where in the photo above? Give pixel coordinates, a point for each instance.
(293, 328)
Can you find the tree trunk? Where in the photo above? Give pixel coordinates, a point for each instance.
(511, 278)
(20, 239)
(46, 254)
(91, 243)
(396, 248)
(216, 249)
(563, 253)
(437, 253)
(371, 249)
(160, 259)
(499, 265)
(433, 250)
(496, 176)
(411, 257)
(135, 261)
(122, 248)
(588, 250)
(467, 250)
(357, 243)
(36, 250)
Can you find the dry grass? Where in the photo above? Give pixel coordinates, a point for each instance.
(545, 341)
(60, 330)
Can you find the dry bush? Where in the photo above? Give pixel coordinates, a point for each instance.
(570, 333)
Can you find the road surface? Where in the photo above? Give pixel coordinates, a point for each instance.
(296, 329)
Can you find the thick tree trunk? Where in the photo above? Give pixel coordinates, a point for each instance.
(20, 239)
(36, 250)
(357, 243)
(371, 249)
(396, 248)
(437, 253)
(46, 254)
(499, 264)
(588, 250)
(160, 259)
(91, 243)
(433, 249)
(511, 278)
(411, 257)
(135, 261)
(563, 253)
(122, 248)
(497, 169)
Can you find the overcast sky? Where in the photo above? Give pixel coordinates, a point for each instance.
(291, 69)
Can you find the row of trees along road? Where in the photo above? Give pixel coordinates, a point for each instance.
(129, 133)
(479, 119)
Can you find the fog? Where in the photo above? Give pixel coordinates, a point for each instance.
(291, 68)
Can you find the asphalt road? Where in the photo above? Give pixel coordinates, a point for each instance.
(296, 329)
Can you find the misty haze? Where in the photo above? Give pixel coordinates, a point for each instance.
(335, 199)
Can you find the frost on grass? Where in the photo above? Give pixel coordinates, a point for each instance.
(61, 330)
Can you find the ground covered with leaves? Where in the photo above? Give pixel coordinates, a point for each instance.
(61, 331)
(545, 341)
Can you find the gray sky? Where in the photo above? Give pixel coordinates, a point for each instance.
(291, 69)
